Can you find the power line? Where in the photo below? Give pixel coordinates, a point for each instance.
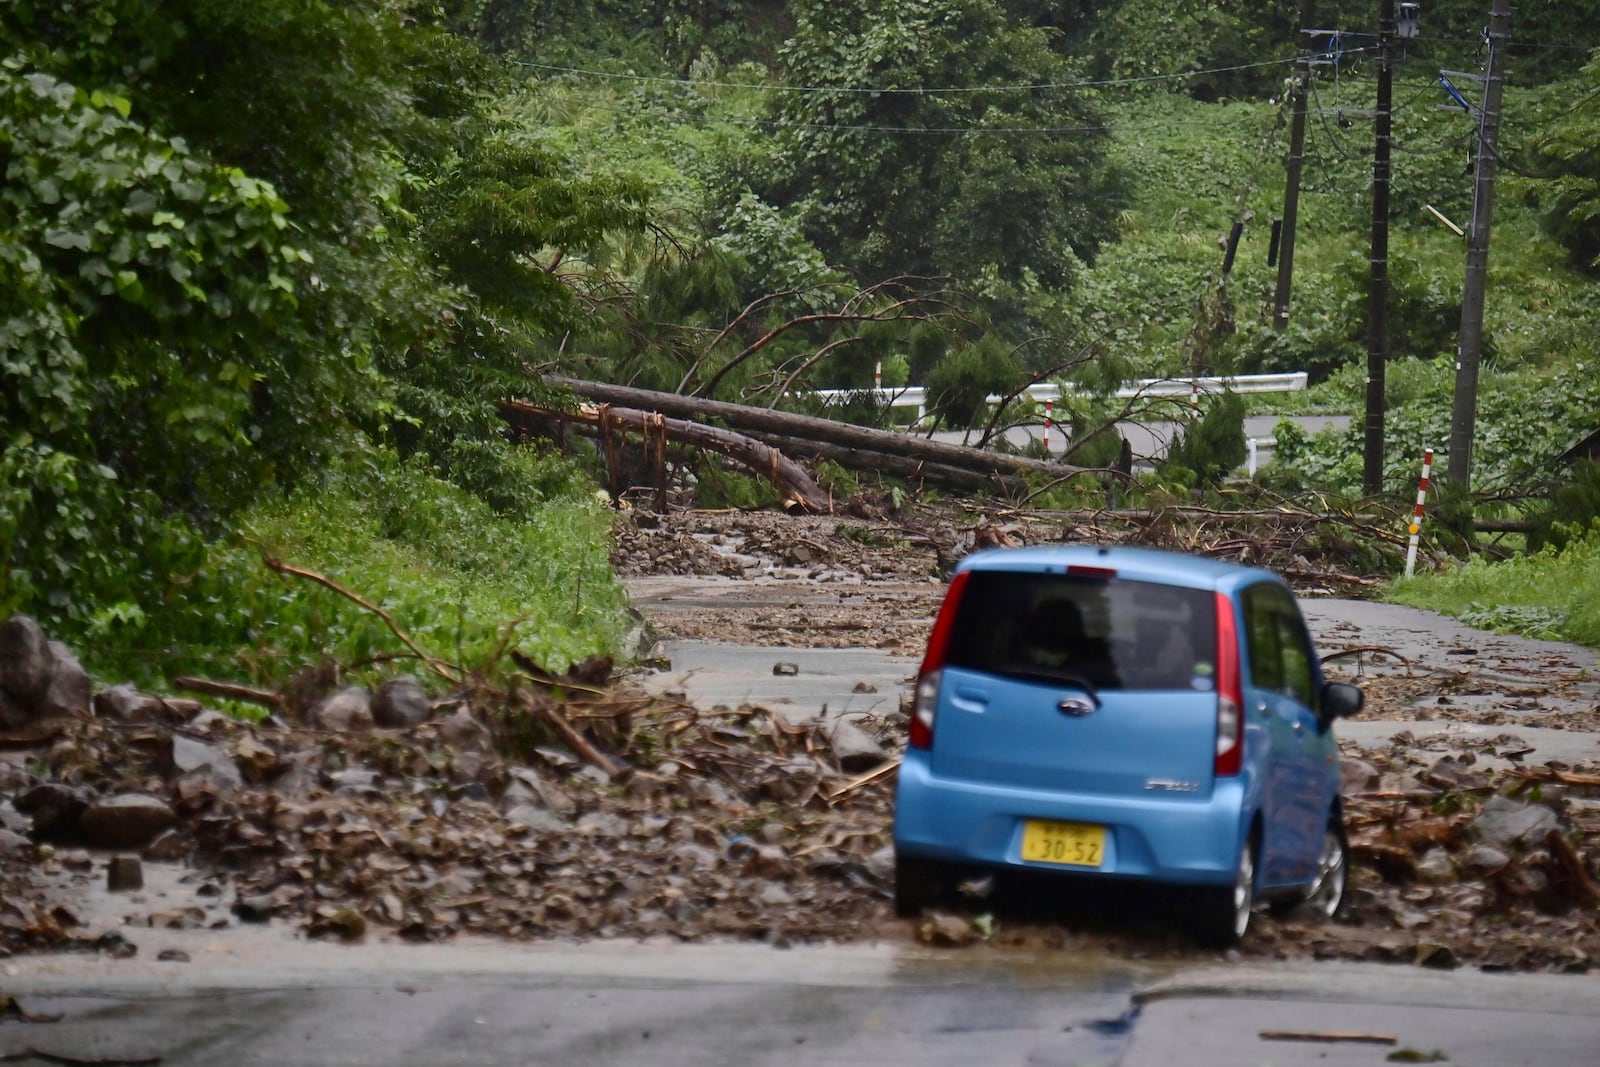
(953, 130)
(1322, 112)
(915, 91)
(1532, 45)
(1436, 39)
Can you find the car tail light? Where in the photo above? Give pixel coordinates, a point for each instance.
(927, 694)
(1230, 696)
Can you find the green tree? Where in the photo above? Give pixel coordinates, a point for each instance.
(144, 292)
(893, 177)
(1571, 150)
(205, 255)
(1210, 448)
(959, 385)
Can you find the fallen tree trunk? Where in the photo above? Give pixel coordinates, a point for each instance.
(767, 422)
(955, 479)
(793, 484)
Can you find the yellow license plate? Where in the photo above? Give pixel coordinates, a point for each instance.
(1073, 844)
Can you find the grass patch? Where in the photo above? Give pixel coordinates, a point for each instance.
(463, 581)
(1551, 595)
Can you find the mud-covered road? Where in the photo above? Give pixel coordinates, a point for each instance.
(806, 616)
(706, 798)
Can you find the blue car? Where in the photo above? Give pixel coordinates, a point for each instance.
(1123, 713)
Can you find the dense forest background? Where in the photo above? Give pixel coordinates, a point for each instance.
(266, 269)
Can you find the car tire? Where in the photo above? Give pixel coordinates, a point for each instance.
(1325, 897)
(918, 884)
(1223, 915)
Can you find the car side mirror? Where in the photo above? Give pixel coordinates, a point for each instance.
(1341, 701)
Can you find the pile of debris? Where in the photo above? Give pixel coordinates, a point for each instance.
(640, 817)
(1312, 550)
(769, 544)
(1464, 857)
(588, 809)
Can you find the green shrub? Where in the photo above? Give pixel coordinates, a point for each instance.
(455, 576)
(1549, 594)
(1574, 507)
(1212, 447)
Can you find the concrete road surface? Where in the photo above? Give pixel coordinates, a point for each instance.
(255, 998)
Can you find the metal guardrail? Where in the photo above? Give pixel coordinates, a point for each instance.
(1254, 445)
(916, 396)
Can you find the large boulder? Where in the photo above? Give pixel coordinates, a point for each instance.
(462, 731)
(854, 749)
(130, 821)
(39, 678)
(55, 808)
(12, 714)
(126, 704)
(189, 755)
(400, 704)
(1505, 823)
(69, 690)
(539, 819)
(348, 710)
(534, 787)
(24, 659)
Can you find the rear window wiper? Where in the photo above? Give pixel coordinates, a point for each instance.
(1036, 673)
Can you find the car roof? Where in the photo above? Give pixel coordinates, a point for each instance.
(1136, 564)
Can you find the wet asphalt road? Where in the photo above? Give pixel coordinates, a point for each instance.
(266, 1001)
(737, 1005)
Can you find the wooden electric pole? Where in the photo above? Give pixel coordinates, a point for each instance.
(1464, 410)
(1291, 192)
(1378, 276)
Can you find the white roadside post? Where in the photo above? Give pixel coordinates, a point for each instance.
(1049, 410)
(1416, 514)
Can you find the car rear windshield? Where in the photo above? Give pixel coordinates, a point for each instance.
(1109, 632)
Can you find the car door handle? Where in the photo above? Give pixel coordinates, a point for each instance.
(973, 700)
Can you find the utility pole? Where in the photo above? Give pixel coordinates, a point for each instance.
(1378, 276)
(1291, 192)
(1464, 410)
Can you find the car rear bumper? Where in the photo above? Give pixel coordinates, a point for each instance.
(1189, 840)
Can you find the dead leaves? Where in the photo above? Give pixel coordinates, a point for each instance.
(722, 826)
(1473, 865)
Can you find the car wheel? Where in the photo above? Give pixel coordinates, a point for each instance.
(1225, 913)
(1326, 895)
(918, 884)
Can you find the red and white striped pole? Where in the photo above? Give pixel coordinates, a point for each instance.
(877, 376)
(1194, 397)
(1049, 409)
(1416, 513)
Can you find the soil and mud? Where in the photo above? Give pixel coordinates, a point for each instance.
(646, 817)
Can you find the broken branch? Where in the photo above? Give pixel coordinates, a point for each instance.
(862, 779)
(229, 691)
(437, 666)
(1331, 1037)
